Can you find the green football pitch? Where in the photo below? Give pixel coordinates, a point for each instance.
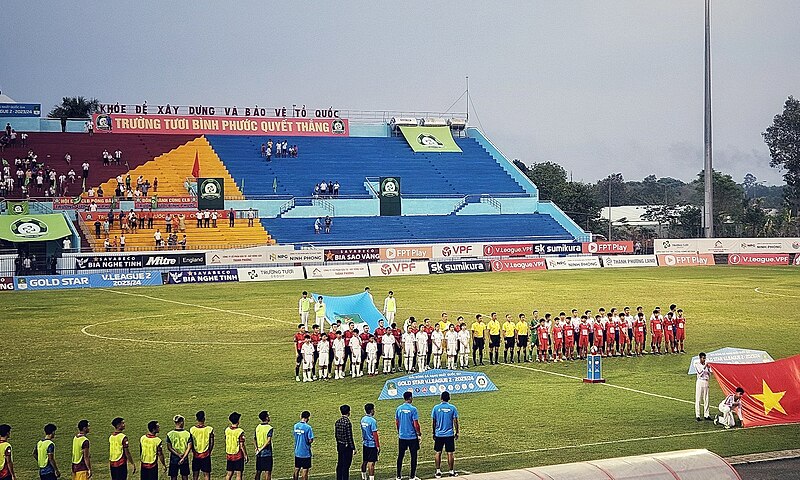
(151, 353)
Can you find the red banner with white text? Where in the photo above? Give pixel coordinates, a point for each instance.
(197, 125)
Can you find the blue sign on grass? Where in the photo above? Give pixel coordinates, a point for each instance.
(435, 382)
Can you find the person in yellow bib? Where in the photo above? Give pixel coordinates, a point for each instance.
(390, 307)
(305, 305)
(319, 312)
(509, 335)
(202, 445)
(150, 448)
(235, 448)
(523, 334)
(6, 457)
(478, 338)
(179, 444)
(119, 454)
(444, 323)
(45, 454)
(494, 339)
(263, 442)
(81, 459)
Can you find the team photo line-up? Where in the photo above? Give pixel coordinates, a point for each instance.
(416, 347)
(199, 442)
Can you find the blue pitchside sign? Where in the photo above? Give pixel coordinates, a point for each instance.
(435, 382)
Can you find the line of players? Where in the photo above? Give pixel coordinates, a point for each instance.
(418, 347)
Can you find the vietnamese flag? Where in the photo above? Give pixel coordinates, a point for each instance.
(771, 390)
(196, 166)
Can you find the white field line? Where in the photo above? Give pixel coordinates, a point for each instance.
(606, 384)
(215, 309)
(758, 290)
(561, 447)
(85, 331)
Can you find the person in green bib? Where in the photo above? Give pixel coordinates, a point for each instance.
(6, 457)
(44, 453)
(235, 448)
(263, 443)
(81, 458)
(179, 444)
(202, 445)
(305, 305)
(151, 452)
(119, 455)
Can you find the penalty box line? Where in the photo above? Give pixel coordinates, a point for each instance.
(215, 309)
(562, 447)
(657, 395)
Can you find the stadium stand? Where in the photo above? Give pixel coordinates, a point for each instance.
(351, 160)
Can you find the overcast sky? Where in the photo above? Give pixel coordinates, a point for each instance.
(598, 86)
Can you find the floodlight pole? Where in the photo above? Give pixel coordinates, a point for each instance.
(708, 214)
(609, 208)
(467, 120)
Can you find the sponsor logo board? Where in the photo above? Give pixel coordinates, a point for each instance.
(507, 249)
(457, 250)
(6, 284)
(758, 259)
(203, 276)
(623, 261)
(568, 263)
(559, 248)
(89, 280)
(352, 254)
(246, 256)
(607, 247)
(727, 245)
(519, 265)
(264, 274)
(411, 252)
(337, 271)
(387, 269)
(311, 255)
(463, 266)
(685, 259)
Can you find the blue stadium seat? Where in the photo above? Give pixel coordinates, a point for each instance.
(418, 229)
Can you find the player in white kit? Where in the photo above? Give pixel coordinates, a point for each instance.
(463, 345)
(422, 350)
(372, 356)
(387, 343)
(451, 340)
(436, 346)
(409, 349)
(338, 356)
(355, 355)
(323, 351)
(308, 359)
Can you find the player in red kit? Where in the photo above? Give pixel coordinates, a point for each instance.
(364, 341)
(299, 339)
(315, 338)
(639, 329)
(569, 339)
(558, 342)
(398, 352)
(598, 335)
(611, 330)
(669, 333)
(624, 340)
(379, 332)
(657, 332)
(544, 344)
(680, 330)
(583, 337)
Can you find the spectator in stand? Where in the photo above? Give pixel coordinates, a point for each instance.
(181, 222)
(183, 242)
(111, 217)
(176, 223)
(24, 138)
(97, 228)
(68, 158)
(231, 217)
(316, 191)
(118, 156)
(106, 158)
(285, 148)
(100, 191)
(251, 215)
(128, 181)
(107, 244)
(157, 238)
(142, 219)
(71, 175)
(278, 149)
(264, 150)
(168, 223)
(323, 189)
(206, 219)
(199, 216)
(122, 243)
(336, 189)
(317, 226)
(90, 127)
(150, 219)
(85, 167)
(328, 223)
(8, 129)
(214, 216)
(155, 184)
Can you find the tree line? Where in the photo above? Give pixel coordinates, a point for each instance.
(741, 208)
